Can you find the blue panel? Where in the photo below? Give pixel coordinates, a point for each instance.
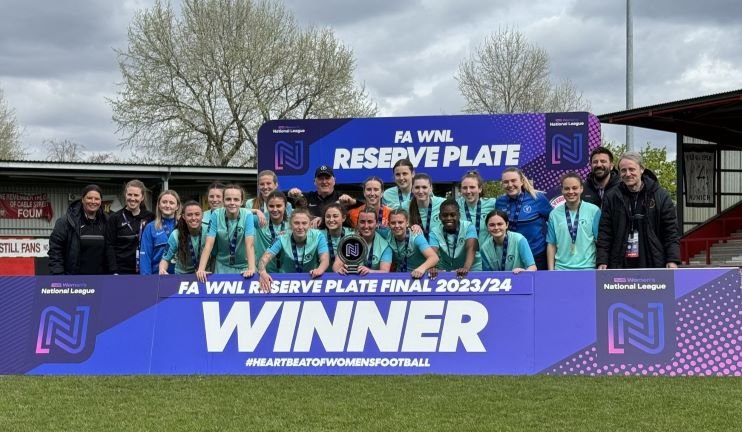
(565, 314)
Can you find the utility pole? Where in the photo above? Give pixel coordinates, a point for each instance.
(629, 72)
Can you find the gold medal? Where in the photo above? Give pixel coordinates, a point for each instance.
(572, 249)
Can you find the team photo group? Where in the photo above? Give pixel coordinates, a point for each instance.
(618, 217)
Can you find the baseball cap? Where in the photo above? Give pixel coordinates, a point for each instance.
(324, 170)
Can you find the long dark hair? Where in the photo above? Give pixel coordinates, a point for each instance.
(415, 218)
(184, 235)
(280, 195)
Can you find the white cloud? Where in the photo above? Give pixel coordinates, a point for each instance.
(57, 63)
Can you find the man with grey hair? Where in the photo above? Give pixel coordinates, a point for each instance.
(638, 225)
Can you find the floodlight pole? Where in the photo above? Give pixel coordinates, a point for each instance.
(629, 73)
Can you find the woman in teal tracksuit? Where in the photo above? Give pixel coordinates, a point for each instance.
(505, 250)
(379, 254)
(302, 250)
(457, 242)
(277, 225)
(232, 236)
(186, 242)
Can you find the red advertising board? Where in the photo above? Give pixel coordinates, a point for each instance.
(25, 206)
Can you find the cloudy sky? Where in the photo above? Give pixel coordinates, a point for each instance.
(58, 66)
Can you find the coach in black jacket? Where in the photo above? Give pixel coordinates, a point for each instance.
(324, 180)
(77, 244)
(638, 206)
(602, 178)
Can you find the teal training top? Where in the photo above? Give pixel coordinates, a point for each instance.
(582, 256)
(380, 252)
(453, 255)
(411, 249)
(305, 256)
(486, 205)
(519, 253)
(435, 214)
(265, 237)
(197, 243)
(391, 199)
(227, 231)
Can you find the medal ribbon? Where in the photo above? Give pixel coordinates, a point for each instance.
(451, 253)
(369, 258)
(233, 238)
(194, 257)
(572, 227)
(514, 216)
(403, 264)
(479, 214)
(504, 257)
(298, 263)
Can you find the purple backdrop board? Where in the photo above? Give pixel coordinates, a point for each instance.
(544, 146)
(640, 322)
(380, 324)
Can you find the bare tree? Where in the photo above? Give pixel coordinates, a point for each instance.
(197, 86)
(10, 135)
(507, 74)
(64, 151)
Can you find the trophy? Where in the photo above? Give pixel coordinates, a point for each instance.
(352, 251)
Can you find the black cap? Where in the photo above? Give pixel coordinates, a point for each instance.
(324, 170)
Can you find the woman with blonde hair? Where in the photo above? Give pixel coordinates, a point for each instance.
(528, 212)
(267, 183)
(156, 233)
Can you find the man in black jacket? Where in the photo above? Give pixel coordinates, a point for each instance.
(638, 225)
(324, 180)
(602, 178)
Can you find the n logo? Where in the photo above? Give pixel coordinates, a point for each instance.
(352, 249)
(630, 326)
(62, 330)
(567, 150)
(289, 156)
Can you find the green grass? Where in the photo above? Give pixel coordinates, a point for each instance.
(424, 403)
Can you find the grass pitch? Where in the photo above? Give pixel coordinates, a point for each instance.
(345, 403)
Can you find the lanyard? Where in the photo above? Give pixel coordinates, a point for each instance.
(233, 239)
(403, 264)
(504, 256)
(128, 224)
(330, 246)
(514, 216)
(479, 214)
(298, 263)
(402, 197)
(194, 256)
(273, 230)
(142, 223)
(451, 253)
(427, 220)
(572, 227)
(369, 258)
